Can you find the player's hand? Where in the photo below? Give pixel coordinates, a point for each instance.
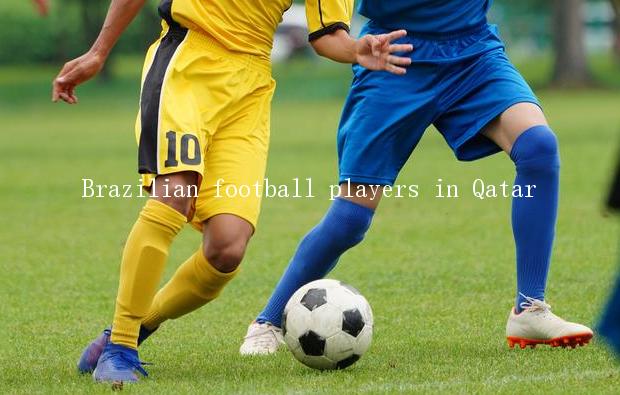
(73, 74)
(376, 52)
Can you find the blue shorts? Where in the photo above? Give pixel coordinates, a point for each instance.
(456, 83)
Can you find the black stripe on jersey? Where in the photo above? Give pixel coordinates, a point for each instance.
(321, 14)
(328, 30)
(149, 101)
(165, 12)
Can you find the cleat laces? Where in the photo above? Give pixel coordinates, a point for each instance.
(122, 361)
(258, 339)
(534, 304)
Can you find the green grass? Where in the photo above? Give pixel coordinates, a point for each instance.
(439, 273)
(605, 70)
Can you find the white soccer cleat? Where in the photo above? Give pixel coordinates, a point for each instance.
(536, 324)
(261, 339)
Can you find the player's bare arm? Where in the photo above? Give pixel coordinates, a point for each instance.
(374, 52)
(120, 14)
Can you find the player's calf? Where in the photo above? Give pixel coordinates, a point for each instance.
(204, 275)
(537, 161)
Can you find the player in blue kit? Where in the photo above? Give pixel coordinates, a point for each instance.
(460, 81)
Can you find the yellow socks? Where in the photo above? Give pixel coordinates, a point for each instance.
(194, 284)
(144, 258)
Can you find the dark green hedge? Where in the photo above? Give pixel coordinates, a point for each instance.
(27, 37)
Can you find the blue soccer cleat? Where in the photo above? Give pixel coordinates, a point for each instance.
(117, 365)
(92, 352)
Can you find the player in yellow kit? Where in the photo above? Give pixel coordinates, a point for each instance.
(204, 116)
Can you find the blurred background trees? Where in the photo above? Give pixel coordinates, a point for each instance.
(615, 4)
(42, 6)
(29, 34)
(567, 32)
(571, 63)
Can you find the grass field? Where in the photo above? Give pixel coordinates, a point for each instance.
(439, 273)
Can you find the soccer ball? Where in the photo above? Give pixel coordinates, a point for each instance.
(327, 325)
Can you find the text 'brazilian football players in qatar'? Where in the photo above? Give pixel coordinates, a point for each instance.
(204, 114)
(303, 189)
(461, 81)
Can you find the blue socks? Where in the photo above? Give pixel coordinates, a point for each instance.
(343, 227)
(537, 160)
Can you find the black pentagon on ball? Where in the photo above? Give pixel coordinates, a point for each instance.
(352, 322)
(312, 343)
(345, 363)
(315, 297)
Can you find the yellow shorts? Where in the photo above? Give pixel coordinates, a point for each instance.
(205, 109)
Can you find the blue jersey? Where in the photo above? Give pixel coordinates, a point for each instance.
(427, 16)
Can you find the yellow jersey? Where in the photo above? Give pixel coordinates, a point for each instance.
(248, 26)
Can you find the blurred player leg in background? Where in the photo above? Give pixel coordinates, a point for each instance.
(609, 327)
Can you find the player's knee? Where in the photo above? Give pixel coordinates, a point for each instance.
(350, 230)
(225, 255)
(544, 143)
(536, 149)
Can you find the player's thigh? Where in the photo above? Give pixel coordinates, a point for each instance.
(236, 160)
(482, 91)
(383, 120)
(177, 190)
(506, 128)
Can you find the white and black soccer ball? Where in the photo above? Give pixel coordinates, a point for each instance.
(327, 325)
